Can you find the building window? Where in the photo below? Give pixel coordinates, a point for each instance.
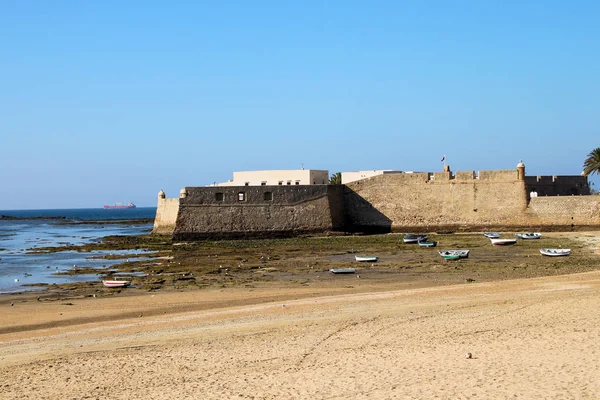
(241, 196)
(289, 182)
(280, 183)
(247, 184)
(219, 197)
(297, 182)
(263, 183)
(268, 196)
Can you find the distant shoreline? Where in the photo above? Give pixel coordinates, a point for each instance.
(68, 221)
(13, 218)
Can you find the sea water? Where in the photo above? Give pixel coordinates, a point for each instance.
(19, 266)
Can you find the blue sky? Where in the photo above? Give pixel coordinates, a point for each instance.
(109, 101)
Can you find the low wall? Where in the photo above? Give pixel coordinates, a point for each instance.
(258, 211)
(565, 211)
(166, 216)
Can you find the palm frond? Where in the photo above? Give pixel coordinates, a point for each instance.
(591, 165)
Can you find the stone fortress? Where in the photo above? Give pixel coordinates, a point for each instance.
(296, 202)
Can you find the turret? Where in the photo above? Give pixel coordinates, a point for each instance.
(521, 170)
(183, 193)
(161, 194)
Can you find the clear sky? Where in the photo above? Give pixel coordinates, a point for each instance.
(110, 101)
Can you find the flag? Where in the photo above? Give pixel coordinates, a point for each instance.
(443, 159)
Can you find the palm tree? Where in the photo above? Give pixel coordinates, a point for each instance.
(336, 179)
(591, 165)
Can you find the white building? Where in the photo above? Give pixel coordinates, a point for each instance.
(358, 175)
(278, 177)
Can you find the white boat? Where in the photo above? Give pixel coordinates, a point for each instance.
(491, 235)
(529, 235)
(115, 284)
(503, 242)
(427, 244)
(412, 238)
(366, 259)
(454, 254)
(555, 252)
(342, 270)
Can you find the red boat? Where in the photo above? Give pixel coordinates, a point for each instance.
(120, 205)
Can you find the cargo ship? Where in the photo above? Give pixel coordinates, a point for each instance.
(120, 205)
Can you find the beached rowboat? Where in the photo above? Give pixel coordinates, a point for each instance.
(366, 259)
(115, 284)
(454, 254)
(503, 242)
(342, 270)
(529, 235)
(427, 244)
(555, 252)
(412, 238)
(491, 235)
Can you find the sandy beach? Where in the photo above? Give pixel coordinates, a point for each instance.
(529, 339)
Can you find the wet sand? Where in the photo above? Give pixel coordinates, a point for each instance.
(529, 338)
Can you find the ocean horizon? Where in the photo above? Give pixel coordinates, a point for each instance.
(84, 214)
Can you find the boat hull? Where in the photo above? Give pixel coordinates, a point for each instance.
(119, 206)
(342, 270)
(491, 235)
(528, 235)
(366, 259)
(414, 238)
(115, 284)
(503, 242)
(555, 252)
(454, 254)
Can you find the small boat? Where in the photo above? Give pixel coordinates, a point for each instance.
(366, 259)
(503, 242)
(412, 238)
(555, 252)
(491, 235)
(115, 284)
(342, 270)
(454, 254)
(529, 235)
(427, 244)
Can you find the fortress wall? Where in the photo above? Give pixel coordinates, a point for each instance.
(266, 211)
(383, 202)
(464, 175)
(565, 211)
(166, 216)
(499, 176)
(558, 185)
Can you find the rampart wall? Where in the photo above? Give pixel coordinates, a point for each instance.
(557, 185)
(399, 202)
(575, 212)
(258, 211)
(403, 202)
(166, 216)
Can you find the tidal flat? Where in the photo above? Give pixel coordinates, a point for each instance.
(164, 265)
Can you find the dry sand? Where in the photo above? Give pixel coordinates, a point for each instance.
(530, 339)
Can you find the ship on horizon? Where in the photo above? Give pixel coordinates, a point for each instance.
(119, 205)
